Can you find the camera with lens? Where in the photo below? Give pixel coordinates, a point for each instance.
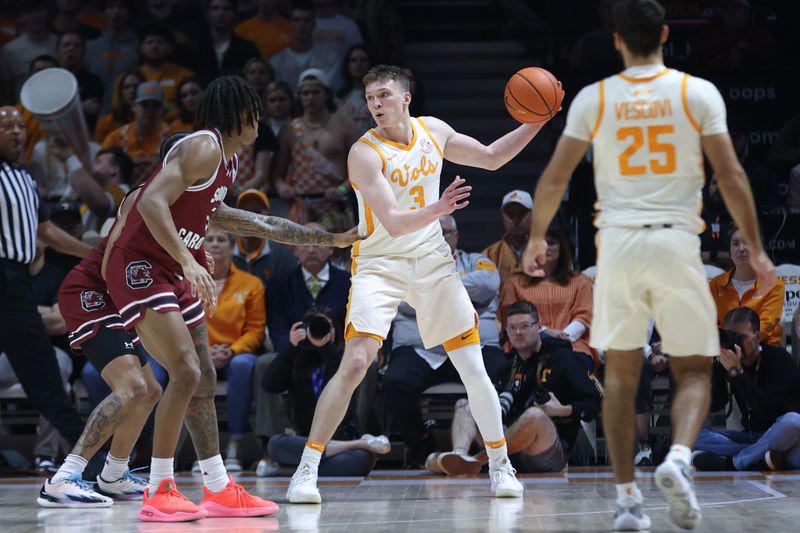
(728, 338)
(540, 396)
(317, 326)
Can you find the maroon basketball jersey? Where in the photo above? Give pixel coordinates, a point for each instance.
(191, 212)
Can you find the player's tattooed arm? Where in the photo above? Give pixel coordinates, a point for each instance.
(248, 224)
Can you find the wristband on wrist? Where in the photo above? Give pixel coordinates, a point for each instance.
(73, 164)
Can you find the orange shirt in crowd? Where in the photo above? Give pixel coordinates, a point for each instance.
(179, 125)
(241, 313)
(558, 305)
(144, 151)
(168, 76)
(503, 256)
(104, 126)
(769, 308)
(270, 36)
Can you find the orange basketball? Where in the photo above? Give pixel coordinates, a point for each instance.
(533, 95)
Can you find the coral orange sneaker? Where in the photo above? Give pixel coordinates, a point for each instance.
(233, 500)
(169, 505)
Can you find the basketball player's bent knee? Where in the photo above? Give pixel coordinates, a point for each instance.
(360, 349)
(185, 374)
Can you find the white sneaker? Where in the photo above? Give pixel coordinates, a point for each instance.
(504, 480)
(232, 464)
(379, 445)
(71, 492)
(128, 487)
(303, 486)
(644, 457)
(674, 478)
(631, 518)
(267, 468)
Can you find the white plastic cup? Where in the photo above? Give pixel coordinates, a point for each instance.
(51, 95)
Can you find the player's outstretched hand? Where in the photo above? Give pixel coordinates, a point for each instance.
(454, 197)
(346, 239)
(534, 257)
(202, 285)
(765, 271)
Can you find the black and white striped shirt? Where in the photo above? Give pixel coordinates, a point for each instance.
(19, 213)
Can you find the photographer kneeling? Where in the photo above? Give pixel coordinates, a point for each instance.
(303, 369)
(547, 394)
(763, 381)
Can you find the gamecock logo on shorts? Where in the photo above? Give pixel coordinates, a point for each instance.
(137, 275)
(92, 300)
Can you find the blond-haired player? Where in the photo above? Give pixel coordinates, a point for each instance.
(395, 170)
(649, 127)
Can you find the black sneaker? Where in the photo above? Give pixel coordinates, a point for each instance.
(417, 453)
(710, 461)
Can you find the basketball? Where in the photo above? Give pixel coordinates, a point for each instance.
(533, 95)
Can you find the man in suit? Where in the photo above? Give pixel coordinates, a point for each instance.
(314, 282)
(223, 52)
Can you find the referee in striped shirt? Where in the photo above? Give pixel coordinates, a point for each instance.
(23, 337)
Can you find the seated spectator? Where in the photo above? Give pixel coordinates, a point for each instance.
(544, 398)
(67, 19)
(761, 379)
(116, 50)
(506, 252)
(412, 369)
(103, 191)
(735, 44)
(715, 242)
(303, 368)
(235, 335)
(32, 126)
(260, 257)
(71, 51)
(311, 164)
(258, 73)
(314, 282)
(155, 50)
(34, 40)
(302, 54)
(563, 297)
(122, 103)
(184, 20)
(190, 94)
(48, 166)
(268, 29)
(351, 101)
(278, 105)
(224, 52)
(142, 137)
(334, 31)
(736, 287)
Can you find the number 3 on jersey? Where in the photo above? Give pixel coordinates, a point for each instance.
(419, 196)
(665, 164)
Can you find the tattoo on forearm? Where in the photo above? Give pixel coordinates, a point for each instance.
(201, 413)
(105, 418)
(247, 224)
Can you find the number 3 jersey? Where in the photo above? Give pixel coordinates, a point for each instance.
(412, 172)
(645, 126)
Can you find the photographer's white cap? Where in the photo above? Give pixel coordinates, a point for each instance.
(517, 196)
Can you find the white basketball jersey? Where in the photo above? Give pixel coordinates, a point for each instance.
(645, 126)
(413, 174)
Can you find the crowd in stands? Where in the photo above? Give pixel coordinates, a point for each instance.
(277, 335)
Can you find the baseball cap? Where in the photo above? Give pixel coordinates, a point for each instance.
(149, 90)
(253, 193)
(318, 75)
(521, 197)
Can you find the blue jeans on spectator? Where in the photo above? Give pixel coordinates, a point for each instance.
(748, 448)
(97, 389)
(239, 375)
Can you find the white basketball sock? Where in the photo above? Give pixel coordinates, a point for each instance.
(215, 477)
(73, 463)
(160, 469)
(114, 468)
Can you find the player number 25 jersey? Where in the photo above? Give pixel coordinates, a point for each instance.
(645, 126)
(413, 173)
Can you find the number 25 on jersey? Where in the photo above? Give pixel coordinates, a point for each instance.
(662, 160)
